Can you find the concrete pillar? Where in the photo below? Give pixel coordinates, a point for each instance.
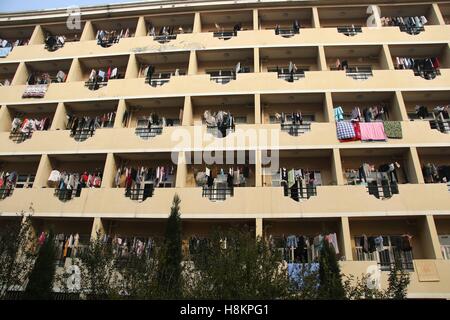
(436, 15)
(255, 19)
(21, 75)
(258, 169)
(256, 60)
(109, 171)
(257, 108)
(141, 28)
(193, 64)
(321, 59)
(75, 71)
(375, 13)
(386, 58)
(188, 112)
(315, 18)
(345, 239)
(181, 171)
(5, 119)
(398, 107)
(98, 229)
(132, 71)
(328, 107)
(121, 108)
(88, 32)
(259, 227)
(43, 172)
(37, 36)
(197, 27)
(414, 169)
(336, 168)
(60, 118)
(430, 238)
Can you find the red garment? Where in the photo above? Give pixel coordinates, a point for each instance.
(84, 177)
(108, 74)
(357, 130)
(436, 63)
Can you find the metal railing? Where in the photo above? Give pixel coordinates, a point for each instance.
(291, 77)
(82, 134)
(225, 76)
(140, 194)
(66, 194)
(146, 133)
(225, 35)
(286, 33)
(6, 192)
(158, 79)
(164, 38)
(359, 73)
(19, 137)
(445, 251)
(299, 192)
(295, 129)
(349, 30)
(217, 193)
(95, 85)
(440, 125)
(412, 30)
(108, 42)
(382, 191)
(427, 74)
(386, 258)
(218, 133)
(55, 47)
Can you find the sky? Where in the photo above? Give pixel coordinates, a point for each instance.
(23, 5)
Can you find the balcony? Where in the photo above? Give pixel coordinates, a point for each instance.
(108, 32)
(410, 19)
(285, 22)
(17, 173)
(443, 229)
(98, 72)
(27, 119)
(15, 36)
(226, 24)
(7, 72)
(56, 35)
(165, 28)
(435, 164)
(445, 10)
(149, 117)
(425, 60)
(358, 62)
(347, 20)
(158, 69)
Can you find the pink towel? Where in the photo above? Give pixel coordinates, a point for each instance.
(372, 131)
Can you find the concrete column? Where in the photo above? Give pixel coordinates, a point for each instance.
(256, 61)
(193, 64)
(5, 119)
(98, 229)
(258, 169)
(436, 15)
(109, 171)
(60, 118)
(255, 19)
(257, 108)
(37, 36)
(121, 108)
(43, 172)
(414, 169)
(181, 171)
(315, 18)
(88, 32)
(259, 227)
(132, 71)
(75, 71)
(430, 238)
(336, 168)
(376, 16)
(345, 239)
(21, 75)
(141, 28)
(328, 107)
(321, 59)
(398, 107)
(197, 27)
(188, 112)
(386, 58)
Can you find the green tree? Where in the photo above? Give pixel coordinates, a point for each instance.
(170, 264)
(398, 281)
(330, 277)
(40, 284)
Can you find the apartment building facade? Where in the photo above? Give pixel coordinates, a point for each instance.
(107, 112)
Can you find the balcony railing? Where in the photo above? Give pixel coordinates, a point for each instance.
(440, 125)
(81, 135)
(295, 129)
(54, 47)
(286, 33)
(19, 137)
(412, 30)
(359, 73)
(95, 85)
(225, 35)
(387, 257)
(140, 194)
(66, 194)
(385, 190)
(146, 133)
(164, 38)
(225, 76)
(427, 74)
(349, 30)
(108, 42)
(445, 251)
(300, 192)
(6, 192)
(158, 79)
(218, 193)
(219, 132)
